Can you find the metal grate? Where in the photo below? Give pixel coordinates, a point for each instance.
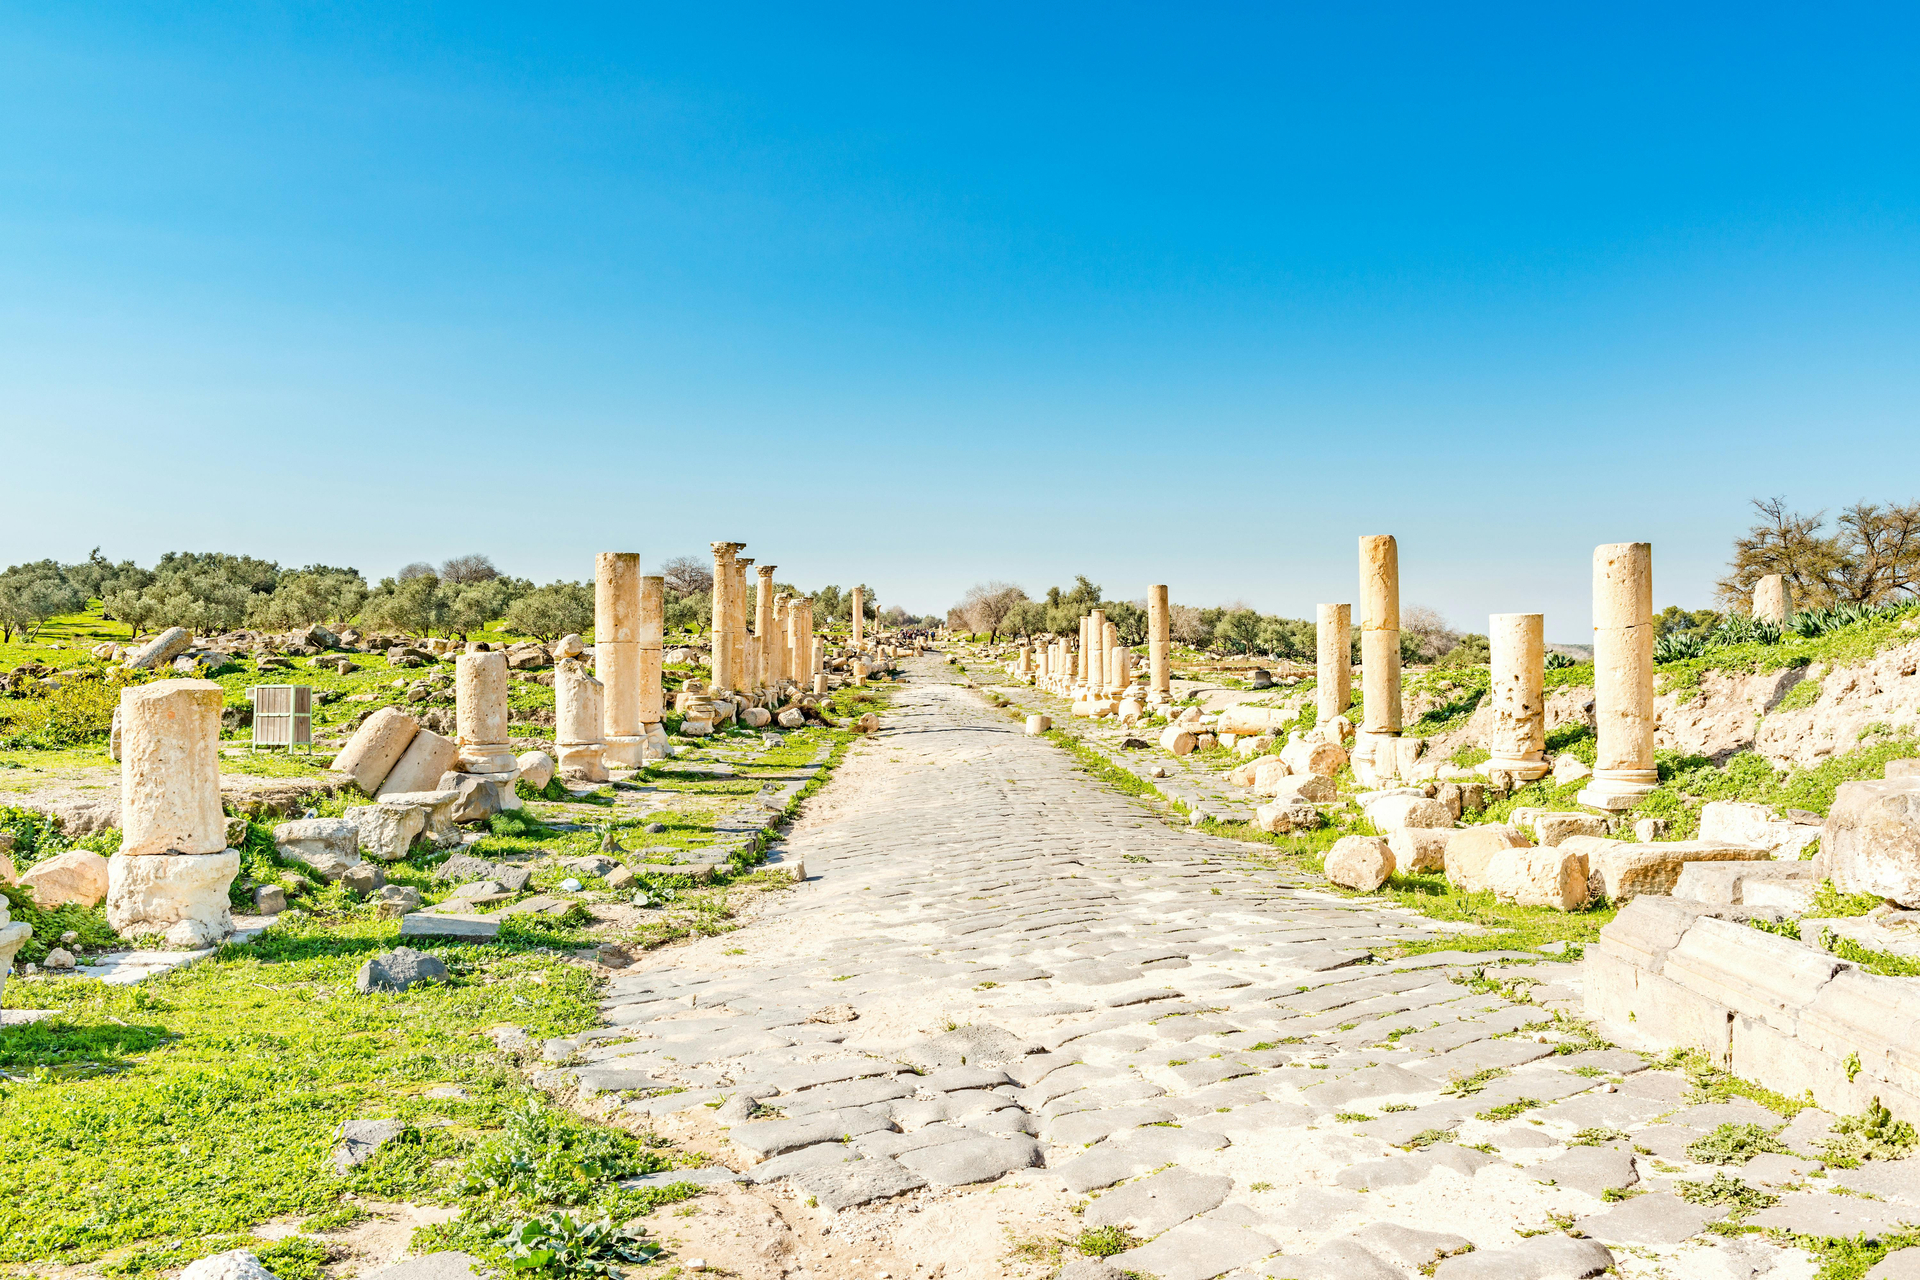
(282, 715)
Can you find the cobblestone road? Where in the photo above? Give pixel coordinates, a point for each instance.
(1004, 976)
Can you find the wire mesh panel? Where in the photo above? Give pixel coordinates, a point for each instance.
(282, 715)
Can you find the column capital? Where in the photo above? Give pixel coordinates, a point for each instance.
(765, 570)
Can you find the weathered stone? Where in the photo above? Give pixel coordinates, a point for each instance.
(1623, 630)
(375, 747)
(1308, 787)
(78, 875)
(1627, 869)
(361, 1139)
(441, 924)
(1872, 839)
(387, 831)
(397, 970)
(1553, 828)
(1037, 725)
(1397, 811)
(170, 769)
(1313, 756)
(842, 1186)
(536, 769)
(362, 878)
(1739, 822)
(1359, 862)
(1282, 817)
(1470, 850)
(1159, 1203)
(235, 1264)
(1548, 1257)
(1542, 877)
(1727, 882)
(269, 900)
(420, 766)
(397, 900)
(1178, 739)
(790, 718)
(1420, 848)
(328, 845)
(182, 896)
(161, 650)
(436, 809)
(955, 1164)
(756, 717)
(481, 795)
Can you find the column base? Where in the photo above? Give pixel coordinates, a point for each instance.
(656, 743)
(182, 896)
(624, 752)
(582, 761)
(1523, 768)
(1616, 789)
(486, 757)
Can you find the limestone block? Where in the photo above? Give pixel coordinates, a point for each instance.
(579, 705)
(480, 710)
(1241, 775)
(1359, 862)
(1904, 768)
(1570, 768)
(582, 761)
(1037, 725)
(756, 717)
(419, 768)
(1872, 839)
(1308, 787)
(180, 895)
(387, 831)
(1287, 816)
(375, 747)
(1256, 719)
(1627, 870)
(328, 845)
(1399, 811)
(868, 723)
(536, 768)
(1539, 877)
(791, 718)
(1738, 822)
(1258, 745)
(1727, 883)
(7, 873)
(170, 768)
(481, 795)
(436, 810)
(1420, 848)
(570, 646)
(1470, 850)
(162, 649)
(1553, 828)
(1269, 772)
(78, 875)
(1178, 739)
(1323, 758)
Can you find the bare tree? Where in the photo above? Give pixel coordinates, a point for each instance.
(986, 606)
(465, 569)
(418, 569)
(1424, 634)
(1873, 556)
(687, 575)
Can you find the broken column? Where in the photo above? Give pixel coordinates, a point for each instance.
(579, 711)
(1772, 602)
(1159, 645)
(1096, 652)
(1333, 652)
(1622, 676)
(859, 615)
(725, 675)
(652, 638)
(1517, 743)
(480, 712)
(172, 871)
(616, 656)
(765, 673)
(1376, 747)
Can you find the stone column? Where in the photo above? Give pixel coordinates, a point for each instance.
(173, 868)
(859, 615)
(1377, 744)
(1096, 653)
(725, 674)
(780, 659)
(737, 605)
(1772, 602)
(1159, 644)
(480, 712)
(652, 638)
(616, 654)
(1622, 675)
(764, 673)
(796, 652)
(579, 711)
(1517, 745)
(1333, 651)
(1110, 664)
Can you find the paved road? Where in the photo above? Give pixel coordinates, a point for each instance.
(1002, 974)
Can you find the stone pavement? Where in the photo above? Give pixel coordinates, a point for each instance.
(1005, 975)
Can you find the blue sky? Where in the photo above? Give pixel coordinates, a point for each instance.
(1194, 294)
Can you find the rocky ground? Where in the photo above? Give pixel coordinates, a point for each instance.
(1012, 1013)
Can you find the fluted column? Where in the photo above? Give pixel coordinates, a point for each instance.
(1622, 676)
(1517, 745)
(1333, 653)
(616, 655)
(1159, 643)
(1378, 740)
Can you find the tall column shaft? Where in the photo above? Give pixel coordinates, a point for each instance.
(170, 768)
(1159, 641)
(780, 661)
(763, 624)
(1110, 640)
(794, 653)
(1519, 738)
(725, 674)
(737, 606)
(1379, 652)
(1622, 675)
(859, 615)
(651, 637)
(1096, 653)
(1333, 660)
(616, 653)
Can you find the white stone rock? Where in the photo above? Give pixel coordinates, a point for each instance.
(1323, 758)
(375, 747)
(236, 1264)
(1554, 828)
(1539, 877)
(1037, 725)
(536, 769)
(1359, 862)
(170, 768)
(387, 831)
(180, 895)
(1397, 811)
(1307, 787)
(162, 649)
(1739, 822)
(328, 845)
(1570, 768)
(1178, 738)
(1470, 850)
(419, 767)
(1420, 848)
(1270, 773)
(78, 875)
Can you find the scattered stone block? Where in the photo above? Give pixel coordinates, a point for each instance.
(1872, 839)
(1397, 811)
(420, 767)
(1282, 817)
(1420, 848)
(78, 875)
(1470, 851)
(1739, 822)
(397, 970)
(1359, 862)
(235, 1264)
(395, 900)
(1726, 883)
(328, 845)
(361, 1139)
(438, 924)
(1552, 828)
(1628, 870)
(1540, 877)
(363, 878)
(269, 899)
(161, 650)
(375, 747)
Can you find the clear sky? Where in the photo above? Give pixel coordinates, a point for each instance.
(923, 296)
